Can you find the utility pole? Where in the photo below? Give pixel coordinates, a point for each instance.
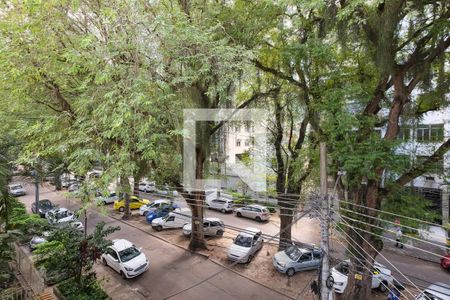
(324, 223)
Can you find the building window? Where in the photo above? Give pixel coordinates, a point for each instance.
(238, 143)
(248, 126)
(238, 128)
(247, 142)
(404, 133)
(430, 133)
(437, 133)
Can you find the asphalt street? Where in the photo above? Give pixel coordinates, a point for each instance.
(173, 269)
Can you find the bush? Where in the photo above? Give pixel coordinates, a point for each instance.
(87, 290)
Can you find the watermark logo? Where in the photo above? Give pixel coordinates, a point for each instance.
(252, 174)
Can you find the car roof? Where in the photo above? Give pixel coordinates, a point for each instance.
(59, 209)
(256, 206)
(249, 231)
(438, 289)
(14, 184)
(213, 219)
(161, 201)
(121, 244)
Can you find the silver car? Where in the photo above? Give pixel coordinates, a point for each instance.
(245, 245)
(258, 212)
(222, 204)
(107, 199)
(211, 227)
(295, 259)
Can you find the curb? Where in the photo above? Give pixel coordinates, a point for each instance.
(204, 255)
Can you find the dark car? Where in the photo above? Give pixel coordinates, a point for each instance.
(445, 262)
(160, 212)
(45, 205)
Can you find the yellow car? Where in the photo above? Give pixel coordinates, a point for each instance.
(135, 203)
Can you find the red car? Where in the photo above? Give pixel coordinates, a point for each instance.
(445, 262)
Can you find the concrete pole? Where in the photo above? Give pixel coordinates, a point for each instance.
(324, 224)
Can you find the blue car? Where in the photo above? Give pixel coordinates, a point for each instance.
(160, 212)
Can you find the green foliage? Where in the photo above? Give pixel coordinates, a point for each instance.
(67, 252)
(407, 203)
(87, 290)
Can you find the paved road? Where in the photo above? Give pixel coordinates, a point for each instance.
(306, 230)
(171, 269)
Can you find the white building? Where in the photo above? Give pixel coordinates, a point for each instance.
(421, 139)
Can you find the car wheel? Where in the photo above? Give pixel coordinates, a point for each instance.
(145, 213)
(223, 210)
(122, 274)
(238, 214)
(250, 258)
(290, 272)
(159, 228)
(105, 203)
(104, 262)
(258, 218)
(219, 233)
(383, 286)
(122, 209)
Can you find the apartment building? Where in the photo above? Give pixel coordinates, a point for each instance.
(421, 138)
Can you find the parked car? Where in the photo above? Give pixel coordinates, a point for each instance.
(381, 277)
(145, 209)
(175, 219)
(16, 190)
(254, 211)
(125, 259)
(135, 203)
(73, 187)
(436, 291)
(211, 227)
(223, 204)
(39, 239)
(60, 215)
(163, 211)
(147, 186)
(445, 262)
(107, 198)
(164, 191)
(45, 206)
(294, 259)
(245, 245)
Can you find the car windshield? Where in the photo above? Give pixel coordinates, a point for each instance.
(45, 204)
(429, 296)
(128, 254)
(343, 268)
(166, 217)
(293, 252)
(244, 241)
(16, 187)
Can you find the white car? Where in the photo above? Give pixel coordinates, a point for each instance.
(381, 276)
(436, 291)
(175, 219)
(245, 245)
(60, 215)
(258, 212)
(39, 239)
(107, 198)
(211, 227)
(147, 186)
(16, 190)
(127, 260)
(151, 207)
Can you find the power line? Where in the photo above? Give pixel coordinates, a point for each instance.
(390, 213)
(387, 230)
(375, 251)
(383, 237)
(233, 264)
(384, 220)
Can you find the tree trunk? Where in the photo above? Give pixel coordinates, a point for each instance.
(197, 203)
(125, 187)
(362, 247)
(136, 186)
